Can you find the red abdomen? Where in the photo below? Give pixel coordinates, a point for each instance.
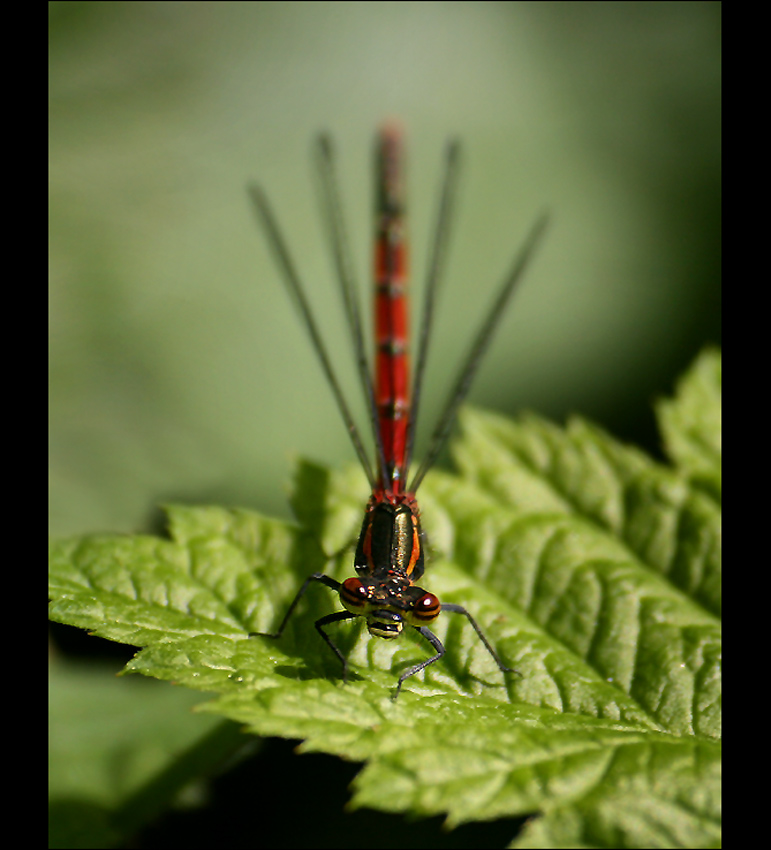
(391, 328)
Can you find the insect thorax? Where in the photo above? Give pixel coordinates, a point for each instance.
(391, 541)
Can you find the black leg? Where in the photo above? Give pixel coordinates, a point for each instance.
(459, 609)
(329, 582)
(325, 621)
(440, 650)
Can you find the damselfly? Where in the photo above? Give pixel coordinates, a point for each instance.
(389, 557)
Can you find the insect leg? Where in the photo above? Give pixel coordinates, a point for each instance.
(459, 609)
(329, 582)
(325, 621)
(440, 650)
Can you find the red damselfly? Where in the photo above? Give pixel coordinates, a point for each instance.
(389, 557)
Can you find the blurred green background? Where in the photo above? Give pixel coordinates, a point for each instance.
(178, 368)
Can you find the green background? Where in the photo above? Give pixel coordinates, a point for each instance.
(178, 368)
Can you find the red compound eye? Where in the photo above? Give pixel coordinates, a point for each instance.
(427, 608)
(353, 594)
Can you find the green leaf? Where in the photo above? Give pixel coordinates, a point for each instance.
(593, 570)
(691, 423)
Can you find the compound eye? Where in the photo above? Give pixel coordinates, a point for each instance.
(427, 608)
(353, 594)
